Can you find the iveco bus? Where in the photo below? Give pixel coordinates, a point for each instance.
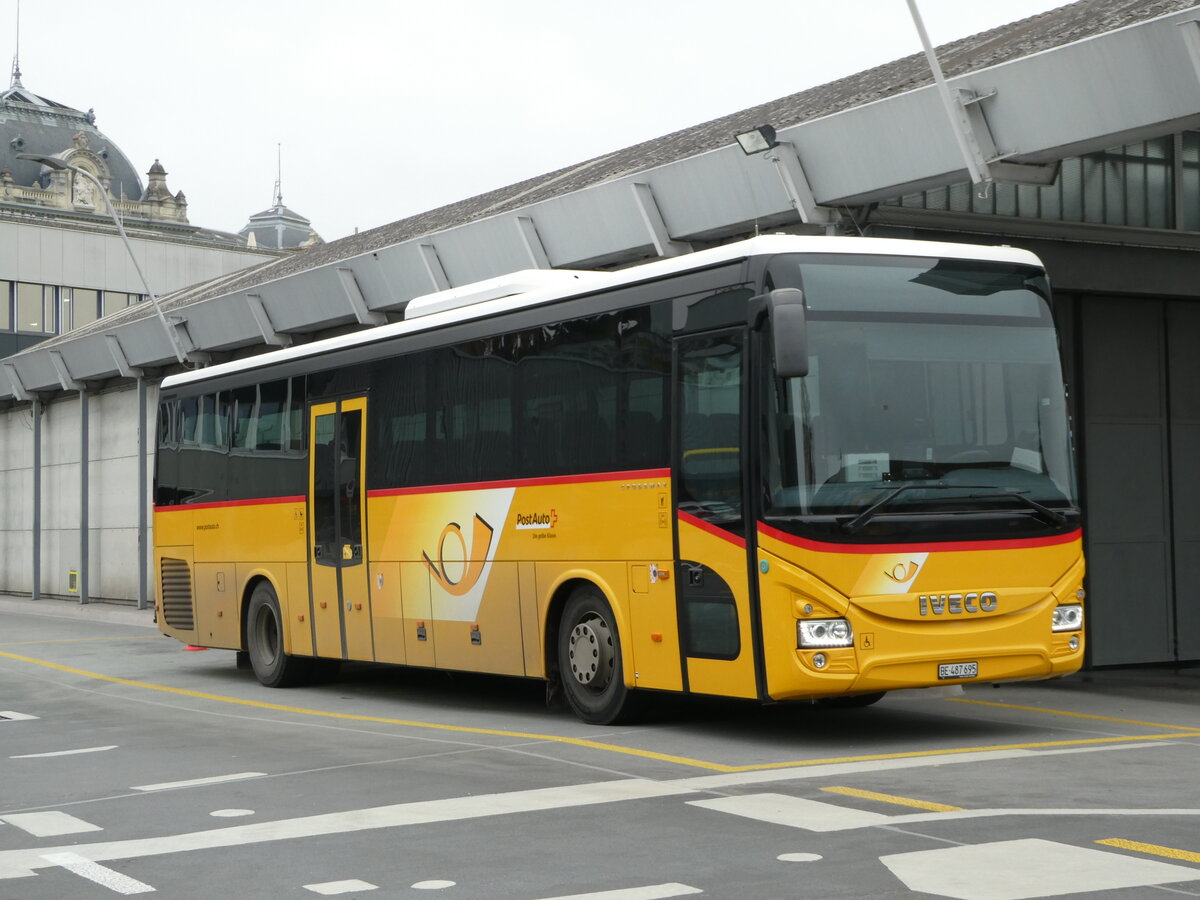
(814, 468)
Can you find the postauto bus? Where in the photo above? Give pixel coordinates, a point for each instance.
(814, 468)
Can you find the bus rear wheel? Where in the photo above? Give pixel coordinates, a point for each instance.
(589, 659)
(264, 642)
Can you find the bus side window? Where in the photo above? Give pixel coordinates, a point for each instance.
(710, 386)
(213, 431)
(269, 418)
(189, 421)
(245, 401)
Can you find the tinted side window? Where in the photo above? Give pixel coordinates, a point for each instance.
(586, 395)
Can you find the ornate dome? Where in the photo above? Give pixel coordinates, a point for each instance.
(279, 228)
(30, 123)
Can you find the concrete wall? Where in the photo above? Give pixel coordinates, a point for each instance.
(113, 432)
(53, 254)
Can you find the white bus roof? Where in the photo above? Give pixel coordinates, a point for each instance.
(534, 287)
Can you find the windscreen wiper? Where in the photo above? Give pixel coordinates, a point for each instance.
(1052, 516)
(857, 523)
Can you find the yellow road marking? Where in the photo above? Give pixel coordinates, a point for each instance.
(892, 798)
(592, 745)
(1170, 852)
(352, 717)
(1073, 715)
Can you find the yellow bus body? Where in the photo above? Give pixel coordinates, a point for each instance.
(472, 577)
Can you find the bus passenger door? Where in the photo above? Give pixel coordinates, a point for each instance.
(713, 583)
(340, 607)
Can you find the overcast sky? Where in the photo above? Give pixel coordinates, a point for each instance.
(386, 108)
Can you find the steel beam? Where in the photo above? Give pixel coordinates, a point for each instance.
(143, 498)
(433, 267)
(124, 369)
(37, 499)
(532, 241)
(263, 320)
(664, 244)
(358, 303)
(84, 467)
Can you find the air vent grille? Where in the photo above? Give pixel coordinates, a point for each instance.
(177, 593)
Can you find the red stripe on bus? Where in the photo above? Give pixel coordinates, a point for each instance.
(712, 529)
(948, 546)
(261, 501)
(521, 482)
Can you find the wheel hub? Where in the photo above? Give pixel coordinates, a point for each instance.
(590, 650)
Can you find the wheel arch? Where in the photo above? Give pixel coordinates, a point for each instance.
(560, 592)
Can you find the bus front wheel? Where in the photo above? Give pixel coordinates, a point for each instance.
(589, 659)
(264, 642)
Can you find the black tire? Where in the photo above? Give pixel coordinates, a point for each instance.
(264, 642)
(857, 701)
(590, 664)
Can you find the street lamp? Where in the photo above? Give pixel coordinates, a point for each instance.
(760, 139)
(782, 154)
(53, 162)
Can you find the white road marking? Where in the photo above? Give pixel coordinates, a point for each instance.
(829, 770)
(65, 752)
(813, 815)
(1045, 869)
(795, 812)
(649, 892)
(49, 824)
(330, 888)
(14, 716)
(799, 857)
(20, 863)
(85, 868)
(197, 782)
(231, 813)
(435, 885)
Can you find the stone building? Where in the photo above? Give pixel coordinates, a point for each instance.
(62, 263)
(64, 269)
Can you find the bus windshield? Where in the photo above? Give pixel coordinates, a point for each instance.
(933, 408)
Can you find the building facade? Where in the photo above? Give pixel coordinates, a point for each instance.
(64, 269)
(62, 263)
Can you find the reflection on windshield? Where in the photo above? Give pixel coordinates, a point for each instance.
(926, 394)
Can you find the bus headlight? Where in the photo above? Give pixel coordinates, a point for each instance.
(1067, 618)
(824, 633)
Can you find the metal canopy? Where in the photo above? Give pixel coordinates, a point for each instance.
(1135, 82)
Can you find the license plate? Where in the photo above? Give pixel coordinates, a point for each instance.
(958, 670)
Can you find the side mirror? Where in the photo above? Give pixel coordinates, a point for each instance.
(789, 331)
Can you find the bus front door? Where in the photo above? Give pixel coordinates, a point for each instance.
(339, 592)
(713, 581)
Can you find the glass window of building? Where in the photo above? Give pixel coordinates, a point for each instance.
(1191, 180)
(1132, 186)
(115, 300)
(35, 308)
(5, 306)
(80, 306)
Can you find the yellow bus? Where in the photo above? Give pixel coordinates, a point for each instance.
(790, 468)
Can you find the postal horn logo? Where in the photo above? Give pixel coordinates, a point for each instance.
(903, 572)
(472, 562)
